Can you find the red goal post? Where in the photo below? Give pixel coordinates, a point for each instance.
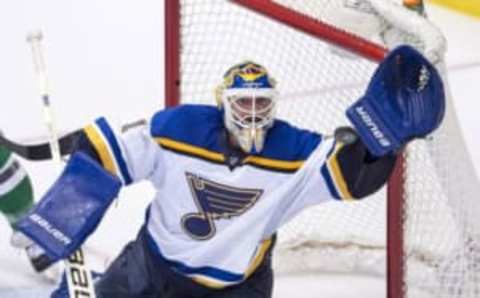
(187, 70)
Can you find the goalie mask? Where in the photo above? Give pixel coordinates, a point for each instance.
(248, 99)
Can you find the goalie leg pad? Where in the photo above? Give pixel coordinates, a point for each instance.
(72, 208)
(404, 100)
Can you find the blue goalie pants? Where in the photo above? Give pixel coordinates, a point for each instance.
(138, 273)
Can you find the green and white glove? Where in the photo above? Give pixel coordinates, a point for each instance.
(16, 199)
(16, 193)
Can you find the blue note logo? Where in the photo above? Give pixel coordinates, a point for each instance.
(215, 201)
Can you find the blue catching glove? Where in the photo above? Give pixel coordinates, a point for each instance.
(72, 208)
(404, 100)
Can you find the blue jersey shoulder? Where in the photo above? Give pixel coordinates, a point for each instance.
(289, 143)
(201, 126)
(197, 125)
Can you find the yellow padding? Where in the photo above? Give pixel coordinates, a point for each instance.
(334, 168)
(412, 2)
(102, 148)
(469, 7)
(189, 149)
(208, 283)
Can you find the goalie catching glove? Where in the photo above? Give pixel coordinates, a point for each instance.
(72, 208)
(404, 100)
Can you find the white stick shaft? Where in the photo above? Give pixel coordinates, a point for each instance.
(79, 277)
(35, 40)
(52, 131)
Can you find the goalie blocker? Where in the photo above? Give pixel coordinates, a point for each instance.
(404, 100)
(72, 208)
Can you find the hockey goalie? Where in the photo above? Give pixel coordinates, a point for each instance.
(228, 177)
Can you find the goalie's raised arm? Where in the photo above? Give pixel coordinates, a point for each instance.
(404, 100)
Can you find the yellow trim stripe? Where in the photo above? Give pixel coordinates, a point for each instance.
(183, 147)
(274, 163)
(468, 7)
(338, 179)
(102, 148)
(264, 247)
(215, 156)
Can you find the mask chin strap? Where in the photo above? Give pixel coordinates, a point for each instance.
(253, 130)
(253, 137)
(257, 134)
(259, 140)
(251, 140)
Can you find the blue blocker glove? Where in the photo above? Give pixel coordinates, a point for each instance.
(72, 208)
(405, 99)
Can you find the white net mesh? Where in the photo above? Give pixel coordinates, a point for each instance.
(317, 82)
(442, 228)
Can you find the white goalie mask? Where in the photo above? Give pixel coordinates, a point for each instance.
(248, 98)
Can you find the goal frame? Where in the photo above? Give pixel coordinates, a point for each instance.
(364, 48)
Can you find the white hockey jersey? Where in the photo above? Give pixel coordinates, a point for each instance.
(211, 222)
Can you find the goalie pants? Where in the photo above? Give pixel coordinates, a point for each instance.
(137, 273)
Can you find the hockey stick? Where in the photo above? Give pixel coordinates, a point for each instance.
(79, 277)
(40, 151)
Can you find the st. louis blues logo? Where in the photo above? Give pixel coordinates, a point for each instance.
(215, 201)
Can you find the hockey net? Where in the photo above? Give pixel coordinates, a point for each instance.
(433, 226)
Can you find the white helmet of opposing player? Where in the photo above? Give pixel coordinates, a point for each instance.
(248, 98)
